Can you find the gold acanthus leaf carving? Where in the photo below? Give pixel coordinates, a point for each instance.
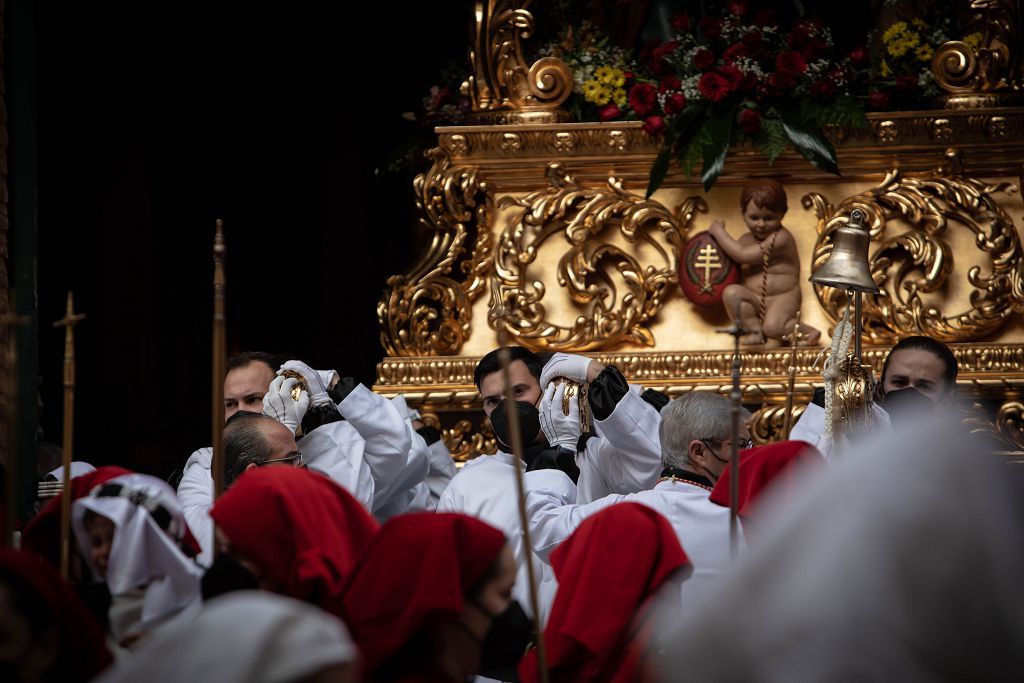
(501, 78)
(994, 66)
(766, 424)
(465, 444)
(426, 311)
(613, 292)
(920, 261)
(1010, 422)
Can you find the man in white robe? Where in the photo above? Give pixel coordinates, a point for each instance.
(696, 442)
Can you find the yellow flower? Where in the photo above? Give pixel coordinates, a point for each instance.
(894, 31)
(973, 40)
(883, 69)
(924, 53)
(590, 90)
(618, 78)
(907, 42)
(603, 74)
(919, 24)
(619, 96)
(603, 96)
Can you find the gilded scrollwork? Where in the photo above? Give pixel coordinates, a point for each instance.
(465, 444)
(426, 311)
(978, 76)
(613, 288)
(766, 424)
(503, 88)
(919, 262)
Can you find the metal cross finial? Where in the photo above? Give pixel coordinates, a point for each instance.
(68, 322)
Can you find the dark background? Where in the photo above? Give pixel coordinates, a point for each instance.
(154, 119)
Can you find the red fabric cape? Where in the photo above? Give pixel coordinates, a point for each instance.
(82, 649)
(418, 567)
(41, 536)
(771, 465)
(303, 530)
(606, 570)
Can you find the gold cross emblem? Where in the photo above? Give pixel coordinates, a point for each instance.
(708, 260)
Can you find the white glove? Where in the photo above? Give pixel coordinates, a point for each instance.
(328, 377)
(569, 365)
(561, 429)
(279, 404)
(317, 389)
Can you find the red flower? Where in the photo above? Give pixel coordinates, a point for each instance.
(675, 103)
(682, 22)
(714, 86)
(629, 76)
(731, 73)
(609, 112)
(859, 56)
(663, 51)
(783, 80)
(749, 82)
(734, 51)
(753, 41)
(823, 90)
(654, 125)
(766, 17)
(703, 59)
(799, 36)
(878, 99)
(643, 98)
(791, 61)
(906, 82)
(814, 49)
(750, 121)
(710, 27)
(737, 8)
(670, 83)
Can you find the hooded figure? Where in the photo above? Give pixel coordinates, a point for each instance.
(607, 570)
(298, 531)
(131, 531)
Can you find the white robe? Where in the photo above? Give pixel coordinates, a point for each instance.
(365, 453)
(701, 526)
(811, 428)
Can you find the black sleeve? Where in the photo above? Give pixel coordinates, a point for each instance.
(606, 391)
(655, 398)
(342, 389)
(819, 397)
(556, 459)
(430, 434)
(318, 416)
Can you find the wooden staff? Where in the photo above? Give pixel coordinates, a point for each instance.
(505, 357)
(787, 423)
(68, 322)
(219, 354)
(736, 330)
(11, 320)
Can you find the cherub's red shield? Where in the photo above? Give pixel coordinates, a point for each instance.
(705, 270)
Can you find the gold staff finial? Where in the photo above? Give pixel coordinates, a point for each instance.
(68, 322)
(9, 321)
(219, 353)
(736, 331)
(795, 337)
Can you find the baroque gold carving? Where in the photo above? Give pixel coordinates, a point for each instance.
(465, 444)
(985, 75)
(426, 311)
(613, 291)
(503, 88)
(766, 424)
(917, 262)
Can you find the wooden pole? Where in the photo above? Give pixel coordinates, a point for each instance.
(736, 330)
(520, 464)
(219, 360)
(787, 423)
(68, 322)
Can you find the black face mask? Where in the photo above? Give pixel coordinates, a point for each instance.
(907, 405)
(529, 424)
(510, 633)
(227, 575)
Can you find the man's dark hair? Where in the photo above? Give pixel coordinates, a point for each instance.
(244, 444)
(246, 357)
(491, 363)
(932, 346)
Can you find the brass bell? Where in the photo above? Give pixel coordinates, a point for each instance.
(847, 266)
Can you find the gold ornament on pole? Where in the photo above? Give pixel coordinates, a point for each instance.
(68, 322)
(219, 359)
(736, 331)
(503, 88)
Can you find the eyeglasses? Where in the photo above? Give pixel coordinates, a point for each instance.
(293, 460)
(742, 445)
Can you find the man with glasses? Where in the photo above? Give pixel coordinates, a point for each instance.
(254, 440)
(696, 442)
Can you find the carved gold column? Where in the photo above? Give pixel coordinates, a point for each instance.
(991, 74)
(503, 88)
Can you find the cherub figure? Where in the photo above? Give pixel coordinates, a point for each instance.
(769, 295)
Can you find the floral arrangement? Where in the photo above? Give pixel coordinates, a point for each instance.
(739, 78)
(901, 70)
